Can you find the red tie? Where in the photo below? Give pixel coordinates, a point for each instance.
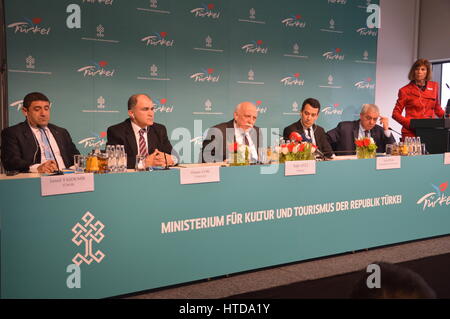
(142, 144)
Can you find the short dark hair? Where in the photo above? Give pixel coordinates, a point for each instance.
(420, 62)
(313, 102)
(132, 101)
(396, 282)
(34, 96)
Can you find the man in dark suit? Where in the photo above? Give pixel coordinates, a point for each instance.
(307, 128)
(35, 145)
(342, 138)
(241, 129)
(141, 135)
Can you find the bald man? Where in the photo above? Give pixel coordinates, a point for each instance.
(241, 129)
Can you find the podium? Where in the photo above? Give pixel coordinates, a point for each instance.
(434, 133)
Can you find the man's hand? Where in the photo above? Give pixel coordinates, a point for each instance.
(47, 167)
(385, 122)
(158, 158)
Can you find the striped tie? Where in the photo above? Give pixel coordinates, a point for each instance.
(46, 144)
(142, 144)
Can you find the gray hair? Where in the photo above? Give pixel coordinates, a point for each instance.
(367, 107)
(238, 107)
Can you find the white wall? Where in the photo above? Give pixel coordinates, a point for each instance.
(397, 51)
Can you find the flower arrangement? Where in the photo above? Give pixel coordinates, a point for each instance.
(296, 150)
(239, 154)
(365, 147)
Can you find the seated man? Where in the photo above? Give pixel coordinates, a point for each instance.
(307, 128)
(141, 136)
(35, 145)
(241, 130)
(342, 138)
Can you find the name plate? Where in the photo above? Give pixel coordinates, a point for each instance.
(389, 162)
(446, 158)
(292, 168)
(199, 175)
(67, 184)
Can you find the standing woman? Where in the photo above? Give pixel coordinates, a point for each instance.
(419, 98)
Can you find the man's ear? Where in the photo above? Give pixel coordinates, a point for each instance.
(24, 111)
(131, 114)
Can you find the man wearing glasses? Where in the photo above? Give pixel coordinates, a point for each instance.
(342, 138)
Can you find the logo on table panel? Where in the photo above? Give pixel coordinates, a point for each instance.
(293, 80)
(105, 2)
(434, 199)
(294, 21)
(337, 2)
(368, 84)
(30, 26)
(255, 47)
(87, 233)
(162, 106)
(206, 75)
(97, 69)
(334, 109)
(334, 55)
(93, 141)
(366, 32)
(206, 11)
(158, 39)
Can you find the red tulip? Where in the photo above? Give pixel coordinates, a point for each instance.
(369, 79)
(211, 6)
(36, 20)
(359, 143)
(298, 16)
(259, 42)
(233, 147)
(290, 147)
(103, 63)
(338, 50)
(295, 136)
(297, 74)
(366, 142)
(302, 147)
(163, 34)
(443, 186)
(259, 102)
(210, 71)
(163, 101)
(102, 134)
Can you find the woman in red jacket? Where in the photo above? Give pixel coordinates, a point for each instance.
(419, 98)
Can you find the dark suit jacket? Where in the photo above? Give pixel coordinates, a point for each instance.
(319, 134)
(20, 149)
(342, 138)
(215, 144)
(123, 134)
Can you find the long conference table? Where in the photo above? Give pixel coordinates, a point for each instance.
(142, 230)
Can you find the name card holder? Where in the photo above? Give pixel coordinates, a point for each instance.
(389, 162)
(67, 184)
(200, 175)
(292, 168)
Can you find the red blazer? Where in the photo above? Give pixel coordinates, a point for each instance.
(418, 104)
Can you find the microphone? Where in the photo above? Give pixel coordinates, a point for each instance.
(390, 129)
(58, 172)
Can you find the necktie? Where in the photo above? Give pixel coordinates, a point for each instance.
(142, 144)
(309, 134)
(246, 140)
(46, 144)
(366, 133)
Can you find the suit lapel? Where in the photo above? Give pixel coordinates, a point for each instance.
(30, 140)
(355, 132)
(152, 139)
(130, 138)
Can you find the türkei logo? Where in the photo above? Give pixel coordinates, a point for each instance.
(334, 55)
(158, 39)
(293, 79)
(206, 11)
(294, 21)
(97, 69)
(206, 75)
(33, 26)
(435, 198)
(366, 84)
(94, 141)
(255, 47)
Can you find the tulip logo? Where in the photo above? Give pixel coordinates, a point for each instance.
(206, 75)
(435, 198)
(294, 21)
(334, 55)
(32, 26)
(158, 39)
(366, 84)
(293, 80)
(97, 69)
(162, 106)
(206, 11)
(255, 47)
(94, 141)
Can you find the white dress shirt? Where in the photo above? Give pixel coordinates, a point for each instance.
(239, 134)
(362, 133)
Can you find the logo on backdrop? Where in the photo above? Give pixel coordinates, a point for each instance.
(105, 2)
(252, 17)
(206, 11)
(332, 27)
(29, 67)
(251, 79)
(260, 107)
(100, 35)
(330, 83)
(206, 75)
(255, 47)
(365, 58)
(101, 107)
(208, 45)
(365, 84)
(162, 106)
(86, 233)
(208, 109)
(293, 80)
(294, 21)
(17, 104)
(437, 198)
(334, 55)
(31, 26)
(97, 69)
(154, 74)
(337, 1)
(334, 109)
(296, 52)
(96, 140)
(154, 7)
(159, 39)
(366, 32)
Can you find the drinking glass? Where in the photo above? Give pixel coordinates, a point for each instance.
(80, 163)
